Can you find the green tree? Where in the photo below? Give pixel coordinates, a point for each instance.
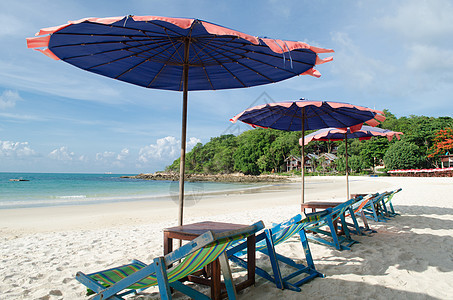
(373, 151)
(403, 155)
(355, 164)
(285, 144)
(216, 156)
(252, 145)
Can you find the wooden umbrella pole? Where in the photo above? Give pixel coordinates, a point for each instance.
(347, 179)
(302, 167)
(182, 161)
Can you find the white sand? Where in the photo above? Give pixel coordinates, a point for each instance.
(410, 257)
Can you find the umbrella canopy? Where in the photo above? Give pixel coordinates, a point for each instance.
(152, 51)
(304, 115)
(337, 134)
(176, 54)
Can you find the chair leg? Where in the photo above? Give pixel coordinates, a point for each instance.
(228, 278)
(347, 234)
(354, 220)
(273, 258)
(334, 234)
(162, 280)
(304, 241)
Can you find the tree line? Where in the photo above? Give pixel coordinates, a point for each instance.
(258, 151)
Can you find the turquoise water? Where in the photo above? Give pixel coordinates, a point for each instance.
(53, 189)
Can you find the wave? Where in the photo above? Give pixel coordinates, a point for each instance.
(72, 197)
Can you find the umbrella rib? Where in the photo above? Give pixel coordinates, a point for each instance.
(226, 69)
(161, 69)
(137, 54)
(242, 64)
(253, 59)
(322, 119)
(206, 73)
(273, 56)
(125, 57)
(220, 64)
(174, 46)
(274, 111)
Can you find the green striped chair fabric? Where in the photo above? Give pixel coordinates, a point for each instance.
(190, 264)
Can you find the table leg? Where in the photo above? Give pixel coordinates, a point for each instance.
(168, 244)
(216, 287)
(251, 259)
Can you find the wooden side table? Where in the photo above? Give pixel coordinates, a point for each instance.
(190, 231)
(314, 205)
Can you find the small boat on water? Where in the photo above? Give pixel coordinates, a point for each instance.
(18, 179)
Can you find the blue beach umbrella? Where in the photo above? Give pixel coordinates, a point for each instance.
(337, 134)
(176, 54)
(301, 115)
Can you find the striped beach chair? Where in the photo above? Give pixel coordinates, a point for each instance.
(317, 233)
(266, 243)
(357, 209)
(375, 209)
(134, 277)
(390, 212)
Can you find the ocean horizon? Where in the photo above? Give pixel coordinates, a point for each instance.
(58, 189)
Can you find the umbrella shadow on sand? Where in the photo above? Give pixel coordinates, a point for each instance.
(399, 243)
(332, 288)
(426, 217)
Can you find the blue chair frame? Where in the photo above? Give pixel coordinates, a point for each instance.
(266, 244)
(330, 238)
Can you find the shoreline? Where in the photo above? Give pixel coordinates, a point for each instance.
(232, 178)
(83, 200)
(102, 215)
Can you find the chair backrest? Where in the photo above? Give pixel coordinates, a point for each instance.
(360, 204)
(341, 208)
(283, 231)
(378, 197)
(390, 194)
(332, 213)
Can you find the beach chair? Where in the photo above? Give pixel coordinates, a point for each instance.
(387, 199)
(266, 243)
(132, 278)
(357, 210)
(317, 233)
(374, 210)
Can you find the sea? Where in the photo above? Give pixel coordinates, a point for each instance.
(58, 189)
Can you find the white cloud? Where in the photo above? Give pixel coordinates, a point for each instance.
(421, 20)
(110, 158)
(192, 142)
(356, 69)
(123, 154)
(62, 154)
(167, 148)
(106, 155)
(8, 99)
(426, 58)
(16, 149)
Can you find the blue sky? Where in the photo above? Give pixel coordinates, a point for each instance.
(394, 55)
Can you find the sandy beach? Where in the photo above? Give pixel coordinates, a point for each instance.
(410, 257)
